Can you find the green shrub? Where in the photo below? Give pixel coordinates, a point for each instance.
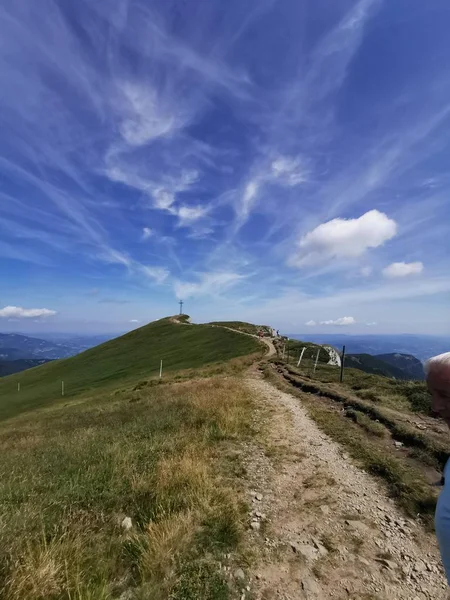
(420, 401)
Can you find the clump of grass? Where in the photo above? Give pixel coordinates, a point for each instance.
(69, 475)
(373, 427)
(201, 579)
(368, 395)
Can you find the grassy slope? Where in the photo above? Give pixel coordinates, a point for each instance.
(296, 346)
(243, 326)
(372, 364)
(134, 355)
(161, 454)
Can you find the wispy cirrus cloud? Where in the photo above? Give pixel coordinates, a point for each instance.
(285, 165)
(158, 274)
(147, 232)
(147, 117)
(118, 301)
(207, 284)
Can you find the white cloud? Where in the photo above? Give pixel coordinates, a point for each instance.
(340, 321)
(371, 324)
(146, 116)
(115, 257)
(366, 271)
(310, 323)
(343, 238)
(134, 321)
(288, 170)
(248, 198)
(402, 269)
(209, 284)
(189, 214)
(285, 170)
(163, 198)
(158, 274)
(17, 312)
(146, 233)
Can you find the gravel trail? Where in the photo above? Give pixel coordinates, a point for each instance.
(325, 528)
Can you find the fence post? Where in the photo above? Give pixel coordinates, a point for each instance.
(18, 387)
(341, 377)
(160, 370)
(301, 356)
(317, 359)
(62, 388)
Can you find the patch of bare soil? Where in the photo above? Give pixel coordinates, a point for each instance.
(325, 528)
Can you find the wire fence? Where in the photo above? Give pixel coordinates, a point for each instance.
(314, 362)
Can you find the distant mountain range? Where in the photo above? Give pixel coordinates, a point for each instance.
(397, 366)
(8, 367)
(420, 346)
(19, 352)
(15, 346)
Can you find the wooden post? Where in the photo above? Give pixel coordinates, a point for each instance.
(18, 387)
(301, 356)
(317, 359)
(62, 388)
(341, 377)
(160, 370)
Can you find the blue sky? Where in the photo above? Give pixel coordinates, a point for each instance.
(278, 161)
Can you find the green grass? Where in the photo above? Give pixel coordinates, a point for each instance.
(243, 326)
(294, 347)
(158, 454)
(371, 426)
(406, 395)
(132, 356)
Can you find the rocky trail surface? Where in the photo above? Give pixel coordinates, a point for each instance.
(325, 528)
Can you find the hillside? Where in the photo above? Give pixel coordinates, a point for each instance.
(128, 490)
(372, 364)
(127, 358)
(9, 367)
(294, 348)
(397, 366)
(408, 364)
(249, 328)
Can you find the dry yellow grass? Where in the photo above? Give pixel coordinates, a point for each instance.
(69, 476)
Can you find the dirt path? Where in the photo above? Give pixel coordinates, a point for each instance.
(267, 341)
(325, 528)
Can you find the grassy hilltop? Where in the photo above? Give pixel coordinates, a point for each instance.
(127, 358)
